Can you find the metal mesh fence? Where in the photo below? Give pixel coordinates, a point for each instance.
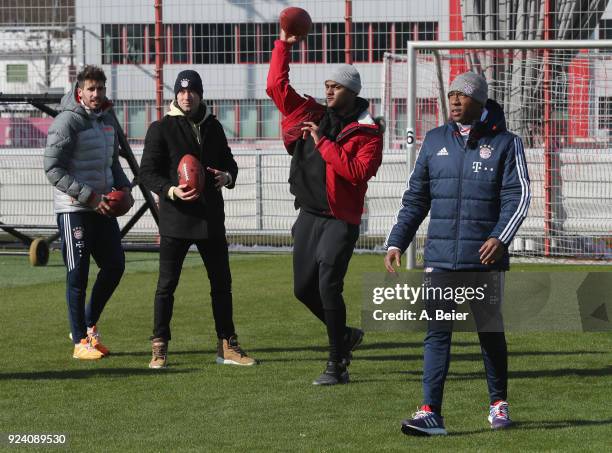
(558, 102)
(259, 211)
(44, 43)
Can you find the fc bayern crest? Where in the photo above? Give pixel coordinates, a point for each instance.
(184, 83)
(485, 151)
(468, 89)
(77, 232)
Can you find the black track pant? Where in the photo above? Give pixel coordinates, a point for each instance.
(322, 249)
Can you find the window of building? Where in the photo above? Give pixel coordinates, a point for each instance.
(214, 44)
(335, 43)
(374, 108)
(314, 44)
(120, 113)
(269, 33)
(381, 35)
(111, 44)
(247, 42)
(605, 113)
(151, 111)
(270, 120)
(248, 119)
(605, 29)
(17, 73)
(203, 43)
(605, 32)
(360, 42)
(150, 34)
(180, 43)
(251, 43)
(135, 43)
(400, 119)
(427, 31)
(137, 120)
(226, 114)
(297, 50)
(426, 116)
(403, 34)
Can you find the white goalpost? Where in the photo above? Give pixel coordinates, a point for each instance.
(557, 95)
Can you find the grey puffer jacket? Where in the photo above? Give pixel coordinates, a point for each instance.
(82, 155)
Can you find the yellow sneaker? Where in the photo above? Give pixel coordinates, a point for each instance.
(85, 351)
(94, 338)
(159, 347)
(229, 352)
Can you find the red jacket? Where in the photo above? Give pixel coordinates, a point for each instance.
(350, 161)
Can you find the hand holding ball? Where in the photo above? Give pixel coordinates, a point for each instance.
(191, 175)
(119, 202)
(295, 21)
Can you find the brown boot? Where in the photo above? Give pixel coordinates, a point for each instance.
(159, 347)
(229, 352)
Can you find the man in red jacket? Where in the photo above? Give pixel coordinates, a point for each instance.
(335, 150)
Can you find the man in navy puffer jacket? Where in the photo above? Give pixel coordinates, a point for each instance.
(471, 176)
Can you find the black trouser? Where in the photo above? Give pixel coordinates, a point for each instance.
(322, 249)
(172, 252)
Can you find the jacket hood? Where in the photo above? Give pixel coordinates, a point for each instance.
(496, 120)
(174, 110)
(72, 103)
(365, 121)
(493, 124)
(381, 123)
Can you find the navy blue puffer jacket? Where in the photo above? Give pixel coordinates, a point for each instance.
(474, 191)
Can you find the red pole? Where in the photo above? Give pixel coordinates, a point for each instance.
(159, 61)
(547, 135)
(348, 22)
(457, 63)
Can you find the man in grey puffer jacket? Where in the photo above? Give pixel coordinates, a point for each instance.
(82, 163)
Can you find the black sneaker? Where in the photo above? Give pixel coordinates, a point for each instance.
(424, 422)
(335, 373)
(352, 340)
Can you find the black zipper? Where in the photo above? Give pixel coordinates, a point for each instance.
(343, 134)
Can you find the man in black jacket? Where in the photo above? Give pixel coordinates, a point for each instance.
(186, 217)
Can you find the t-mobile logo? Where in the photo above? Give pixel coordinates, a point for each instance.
(476, 166)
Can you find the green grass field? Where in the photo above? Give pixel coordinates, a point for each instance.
(560, 383)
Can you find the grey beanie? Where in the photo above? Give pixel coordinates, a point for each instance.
(472, 84)
(347, 76)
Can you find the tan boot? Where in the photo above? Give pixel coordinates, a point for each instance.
(159, 347)
(229, 352)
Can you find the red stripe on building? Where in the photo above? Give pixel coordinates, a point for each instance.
(578, 97)
(457, 63)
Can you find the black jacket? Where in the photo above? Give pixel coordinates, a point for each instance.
(166, 142)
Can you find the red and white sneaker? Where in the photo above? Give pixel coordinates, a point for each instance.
(499, 415)
(424, 422)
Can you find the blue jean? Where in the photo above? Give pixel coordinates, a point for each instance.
(86, 234)
(437, 347)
